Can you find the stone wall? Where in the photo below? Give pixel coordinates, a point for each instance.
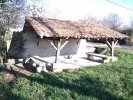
(14, 43)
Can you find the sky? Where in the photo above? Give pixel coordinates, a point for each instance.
(79, 9)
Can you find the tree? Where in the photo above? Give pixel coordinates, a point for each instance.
(42, 8)
(90, 19)
(36, 8)
(113, 21)
(11, 12)
(129, 32)
(131, 24)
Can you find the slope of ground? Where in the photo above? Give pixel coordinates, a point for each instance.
(112, 81)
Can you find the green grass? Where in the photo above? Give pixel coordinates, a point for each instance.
(112, 81)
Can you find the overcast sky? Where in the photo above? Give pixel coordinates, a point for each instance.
(78, 9)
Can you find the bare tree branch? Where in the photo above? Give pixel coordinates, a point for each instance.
(113, 21)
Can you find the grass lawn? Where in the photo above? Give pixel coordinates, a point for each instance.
(112, 81)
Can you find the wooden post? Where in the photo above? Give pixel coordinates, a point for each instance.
(108, 44)
(58, 51)
(53, 44)
(58, 47)
(112, 49)
(37, 41)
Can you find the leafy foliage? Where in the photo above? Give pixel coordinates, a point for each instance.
(11, 13)
(2, 45)
(128, 31)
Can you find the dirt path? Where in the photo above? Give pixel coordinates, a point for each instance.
(7, 75)
(11, 75)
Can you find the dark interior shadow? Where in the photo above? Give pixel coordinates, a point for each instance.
(25, 65)
(28, 67)
(44, 63)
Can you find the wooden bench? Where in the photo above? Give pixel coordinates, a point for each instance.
(105, 58)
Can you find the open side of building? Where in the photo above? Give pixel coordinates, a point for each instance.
(47, 38)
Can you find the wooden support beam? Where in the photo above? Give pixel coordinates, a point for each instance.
(37, 41)
(59, 47)
(108, 44)
(58, 51)
(53, 44)
(116, 42)
(63, 45)
(112, 49)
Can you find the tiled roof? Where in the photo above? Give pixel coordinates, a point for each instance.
(70, 29)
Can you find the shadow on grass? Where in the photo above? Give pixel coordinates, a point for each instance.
(84, 86)
(5, 88)
(7, 94)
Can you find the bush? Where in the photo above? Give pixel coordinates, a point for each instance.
(2, 49)
(128, 32)
(2, 45)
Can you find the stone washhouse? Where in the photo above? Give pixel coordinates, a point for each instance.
(48, 43)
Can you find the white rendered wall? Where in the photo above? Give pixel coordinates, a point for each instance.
(45, 49)
(82, 48)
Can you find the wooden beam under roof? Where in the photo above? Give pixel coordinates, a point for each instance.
(58, 46)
